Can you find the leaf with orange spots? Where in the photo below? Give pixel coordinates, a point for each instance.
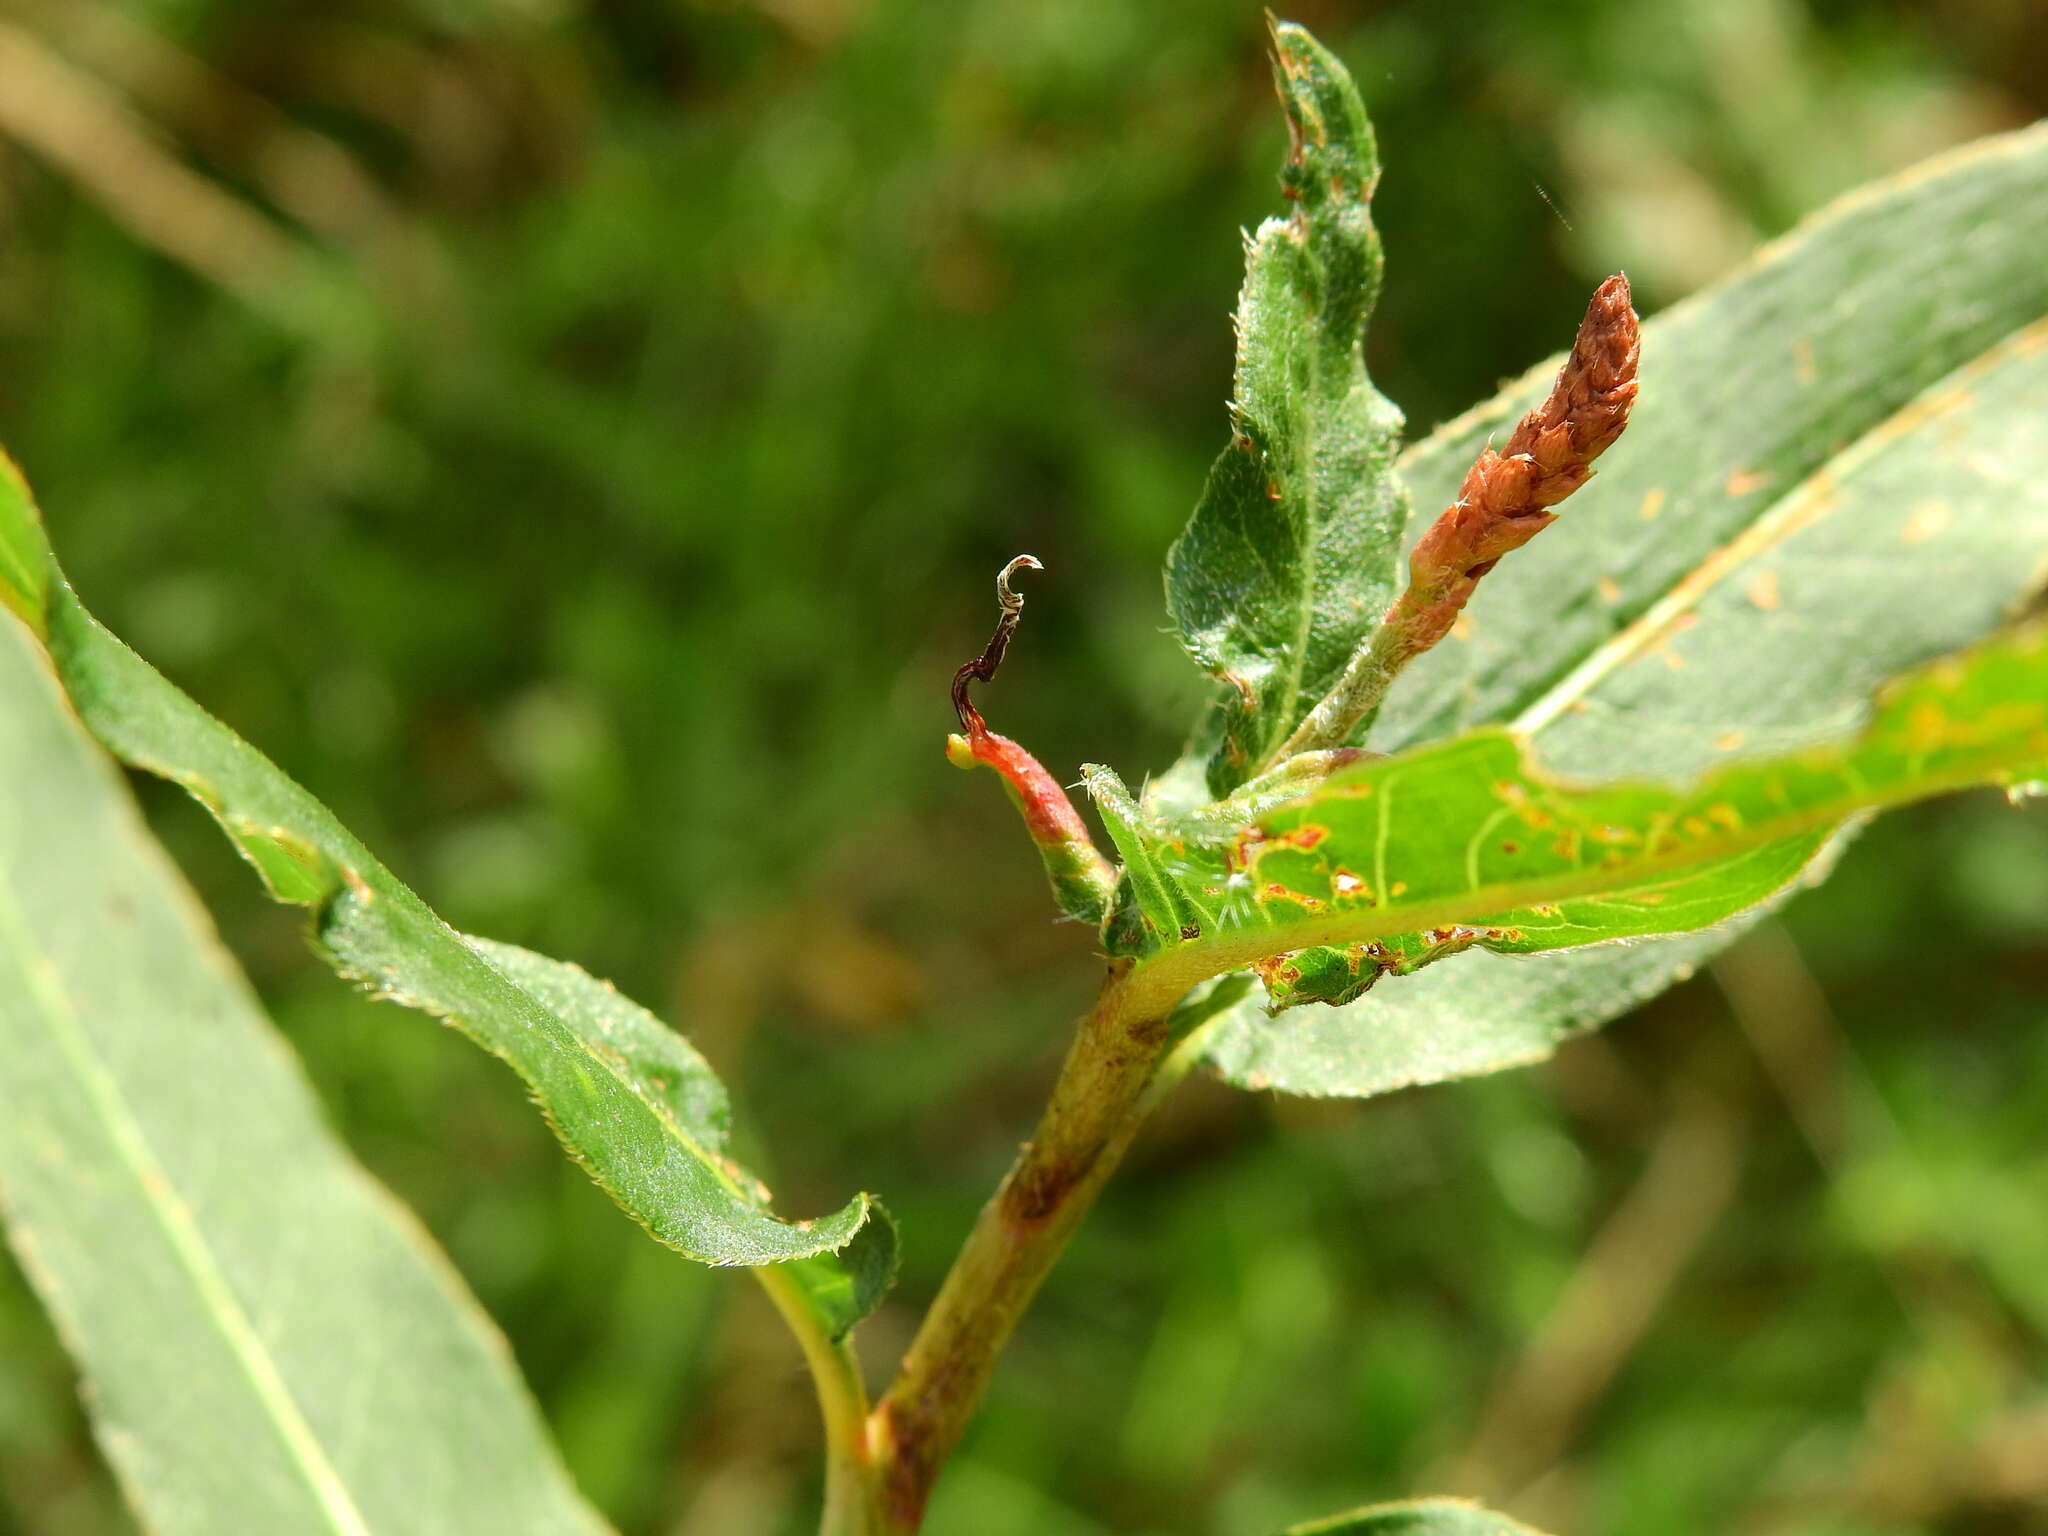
(1831, 476)
(1391, 865)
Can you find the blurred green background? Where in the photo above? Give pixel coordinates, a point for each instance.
(574, 437)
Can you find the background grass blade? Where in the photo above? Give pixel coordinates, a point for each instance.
(268, 1341)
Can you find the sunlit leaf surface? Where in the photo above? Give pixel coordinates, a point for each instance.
(629, 1098)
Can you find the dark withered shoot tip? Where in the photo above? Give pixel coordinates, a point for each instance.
(983, 667)
(1082, 879)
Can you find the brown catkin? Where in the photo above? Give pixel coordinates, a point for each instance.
(1505, 499)
(1504, 502)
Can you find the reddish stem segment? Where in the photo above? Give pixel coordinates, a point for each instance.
(1082, 879)
(1095, 1111)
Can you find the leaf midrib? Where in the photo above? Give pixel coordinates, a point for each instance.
(194, 1254)
(1314, 412)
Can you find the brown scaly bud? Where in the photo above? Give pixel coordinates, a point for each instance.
(1504, 502)
(1505, 499)
(1588, 405)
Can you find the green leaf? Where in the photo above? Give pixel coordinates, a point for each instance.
(844, 1287)
(268, 1341)
(628, 1098)
(1476, 1014)
(1422, 1517)
(1469, 843)
(1829, 478)
(1292, 551)
(24, 573)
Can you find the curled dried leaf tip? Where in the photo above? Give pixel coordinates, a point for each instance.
(1082, 879)
(983, 667)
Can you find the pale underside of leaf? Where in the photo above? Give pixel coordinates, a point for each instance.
(268, 1341)
(1831, 477)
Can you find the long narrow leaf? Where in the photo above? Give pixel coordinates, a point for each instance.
(628, 1097)
(1291, 552)
(268, 1341)
(1469, 842)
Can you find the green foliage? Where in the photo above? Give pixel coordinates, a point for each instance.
(269, 1341)
(1419, 856)
(663, 287)
(1826, 481)
(1292, 552)
(627, 1096)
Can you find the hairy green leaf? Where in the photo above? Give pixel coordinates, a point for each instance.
(1292, 551)
(843, 1287)
(1830, 476)
(1422, 1517)
(627, 1096)
(269, 1342)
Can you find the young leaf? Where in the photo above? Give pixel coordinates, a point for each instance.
(268, 1341)
(627, 1097)
(1293, 550)
(1830, 477)
(1468, 842)
(1422, 1517)
(1473, 827)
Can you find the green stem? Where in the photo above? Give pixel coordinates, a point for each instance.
(1357, 694)
(851, 1505)
(1103, 1091)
